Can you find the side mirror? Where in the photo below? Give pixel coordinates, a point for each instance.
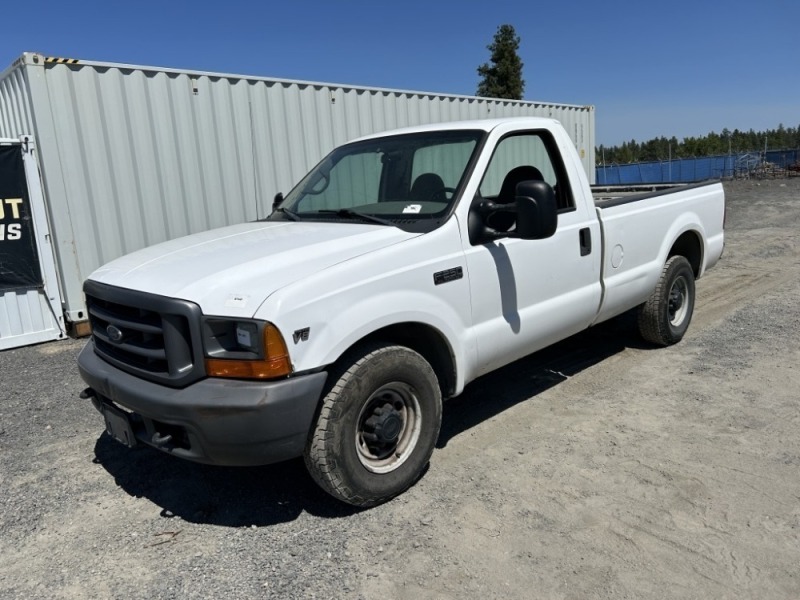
(534, 213)
(276, 202)
(537, 213)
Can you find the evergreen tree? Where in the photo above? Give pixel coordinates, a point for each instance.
(503, 77)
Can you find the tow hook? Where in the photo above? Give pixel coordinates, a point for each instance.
(160, 440)
(87, 393)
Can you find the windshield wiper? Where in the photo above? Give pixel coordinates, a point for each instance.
(353, 214)
(292, 215)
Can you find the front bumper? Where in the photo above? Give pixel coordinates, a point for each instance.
(214, 421)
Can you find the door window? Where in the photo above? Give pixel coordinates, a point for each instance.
(530, 155)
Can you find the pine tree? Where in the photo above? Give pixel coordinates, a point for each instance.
(503, 77)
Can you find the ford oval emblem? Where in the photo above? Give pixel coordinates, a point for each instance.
(114, 333)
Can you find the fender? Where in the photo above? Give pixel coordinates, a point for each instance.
(330, 339)
(693, 221)
(339, 306)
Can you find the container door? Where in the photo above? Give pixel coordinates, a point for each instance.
(30, 302)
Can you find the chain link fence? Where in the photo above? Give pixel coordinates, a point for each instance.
(772, 164)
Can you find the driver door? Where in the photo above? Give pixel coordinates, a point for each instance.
(528, 294)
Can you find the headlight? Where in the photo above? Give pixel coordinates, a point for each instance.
(244, 349)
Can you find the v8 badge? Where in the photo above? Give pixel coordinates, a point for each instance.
(301, 335)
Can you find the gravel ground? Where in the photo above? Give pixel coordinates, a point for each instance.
(598, 468)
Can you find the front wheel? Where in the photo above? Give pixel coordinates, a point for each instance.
(377, 426)
(665, 317)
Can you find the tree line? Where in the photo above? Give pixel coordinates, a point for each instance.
(713, 144)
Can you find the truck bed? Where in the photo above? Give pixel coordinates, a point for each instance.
(639, 228)
(606, 196)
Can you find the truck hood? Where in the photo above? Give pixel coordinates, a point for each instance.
(233, 270)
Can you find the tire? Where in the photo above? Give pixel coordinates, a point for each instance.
(377, 426)
(665, 317)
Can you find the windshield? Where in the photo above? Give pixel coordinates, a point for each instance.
(402, 180)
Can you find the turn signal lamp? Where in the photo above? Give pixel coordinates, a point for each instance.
(272, 360)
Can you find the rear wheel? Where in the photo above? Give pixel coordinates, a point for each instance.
(665, 317)
(377, 426)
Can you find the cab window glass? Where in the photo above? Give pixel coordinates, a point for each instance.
(529, 154)
(446, 161)
(355, 181)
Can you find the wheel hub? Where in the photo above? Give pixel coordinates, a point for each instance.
(388, 427)
(383, 427)
(675, 301)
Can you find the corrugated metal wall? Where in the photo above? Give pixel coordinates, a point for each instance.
(25, 318)
(132, 155)
(15, 108)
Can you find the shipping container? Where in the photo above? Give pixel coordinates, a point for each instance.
(135, 155)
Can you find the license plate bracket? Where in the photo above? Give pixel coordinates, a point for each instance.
(118, 425)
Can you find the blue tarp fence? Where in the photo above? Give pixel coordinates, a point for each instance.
(687, 170)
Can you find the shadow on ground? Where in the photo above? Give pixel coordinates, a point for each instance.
(225, 496)
(244, 496)
(498, 391)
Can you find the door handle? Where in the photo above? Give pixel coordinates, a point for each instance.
(585, 237)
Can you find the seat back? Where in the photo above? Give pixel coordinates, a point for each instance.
(427, 187)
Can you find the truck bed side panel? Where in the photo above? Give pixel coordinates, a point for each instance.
(638, 237)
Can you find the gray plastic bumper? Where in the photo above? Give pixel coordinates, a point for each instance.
(215, 421)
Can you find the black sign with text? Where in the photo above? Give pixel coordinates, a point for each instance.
(19, 260)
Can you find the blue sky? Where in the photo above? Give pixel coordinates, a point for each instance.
(650, 68)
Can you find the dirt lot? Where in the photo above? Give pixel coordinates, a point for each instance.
(600, 468)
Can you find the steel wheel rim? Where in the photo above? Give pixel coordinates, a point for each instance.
(678, 301)
(388, 452)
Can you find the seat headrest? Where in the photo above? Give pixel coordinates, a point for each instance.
(508, 191)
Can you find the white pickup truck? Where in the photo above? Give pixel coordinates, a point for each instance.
(401, 268)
